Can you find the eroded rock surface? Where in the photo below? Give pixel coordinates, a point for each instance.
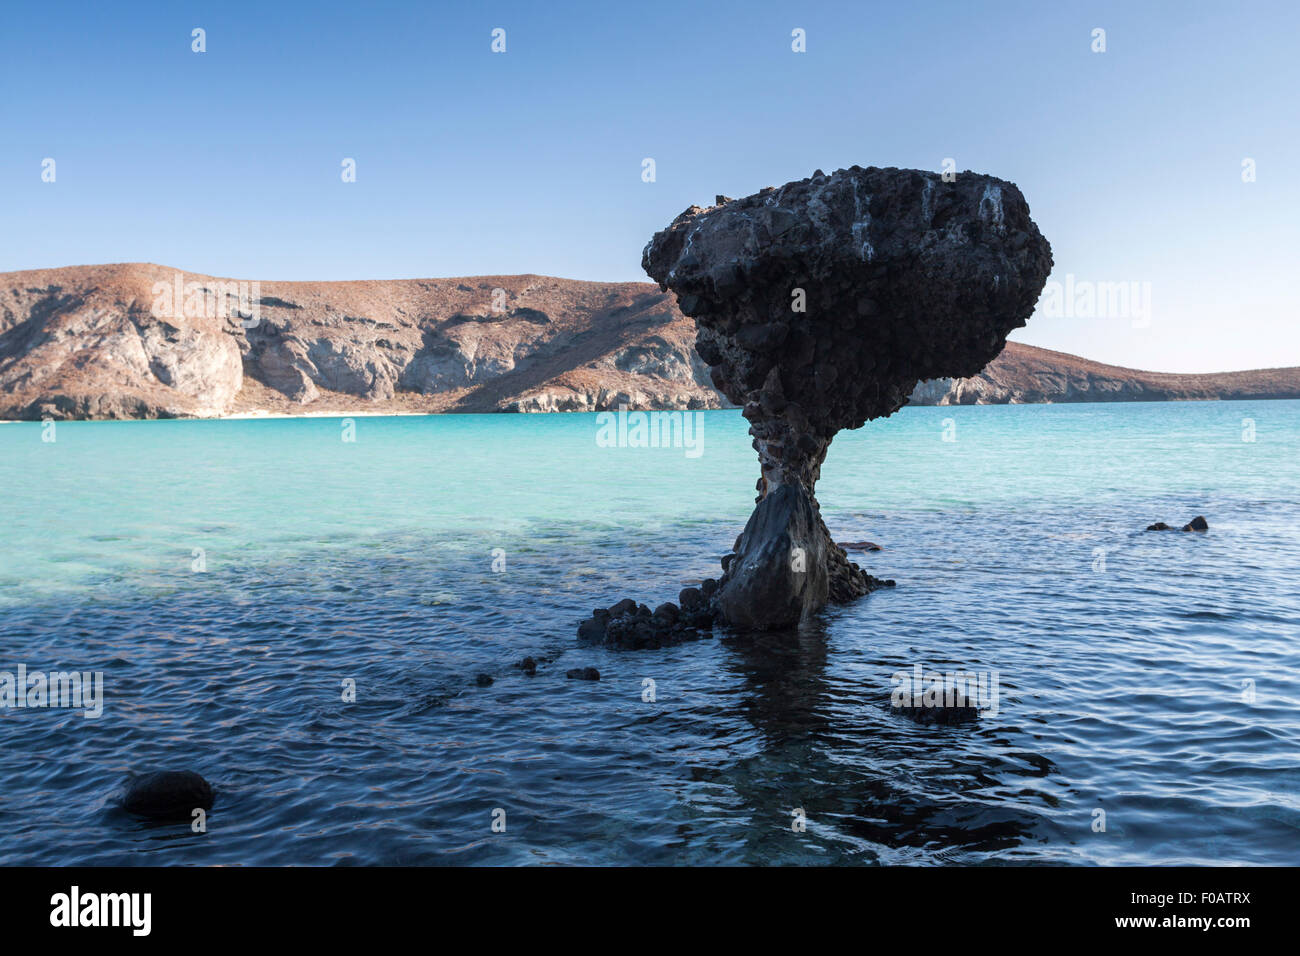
(821, 305)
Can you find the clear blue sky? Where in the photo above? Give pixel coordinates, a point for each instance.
(470, 162)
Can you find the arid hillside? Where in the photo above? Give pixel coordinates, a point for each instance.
(1026, 374)
(146, 341)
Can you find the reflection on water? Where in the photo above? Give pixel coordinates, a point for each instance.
(836, 752)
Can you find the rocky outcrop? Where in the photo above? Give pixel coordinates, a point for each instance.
(821, 305)
(628, 624)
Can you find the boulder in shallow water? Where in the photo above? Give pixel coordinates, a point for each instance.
(960, 712)
(1196, 524)
(858, 545)
(167, 795)
(583, 673)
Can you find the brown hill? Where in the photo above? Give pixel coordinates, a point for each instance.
(1027, 374)
(111, 342)
(145, 341)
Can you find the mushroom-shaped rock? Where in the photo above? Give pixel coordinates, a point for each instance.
(820, 305)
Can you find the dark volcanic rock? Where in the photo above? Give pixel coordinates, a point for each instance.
(583, 673)
(484, 680)
(821, 305)
(632, 625)
(1196, 524)
(783, 565)
(592, 630)
(960, 712)
(167, 795)
(667, 614)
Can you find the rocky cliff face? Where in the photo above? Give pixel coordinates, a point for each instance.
(145, 341)
(97, 342)
(81, 343)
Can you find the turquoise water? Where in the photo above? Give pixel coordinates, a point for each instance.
(227, 577)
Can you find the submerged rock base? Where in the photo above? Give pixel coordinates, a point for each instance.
(784, 538)
(632, 625)
(786, 565)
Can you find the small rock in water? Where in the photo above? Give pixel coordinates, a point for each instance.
(483, 680)
(1196, 524)
(859, 545)
(583, 673)
(960, 712)
(167, 795)
(528, 666)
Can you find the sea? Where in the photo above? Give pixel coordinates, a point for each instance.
(325, 616)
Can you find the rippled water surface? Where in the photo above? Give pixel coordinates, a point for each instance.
(228, 577)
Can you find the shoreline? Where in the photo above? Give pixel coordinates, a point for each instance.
(275, 416)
